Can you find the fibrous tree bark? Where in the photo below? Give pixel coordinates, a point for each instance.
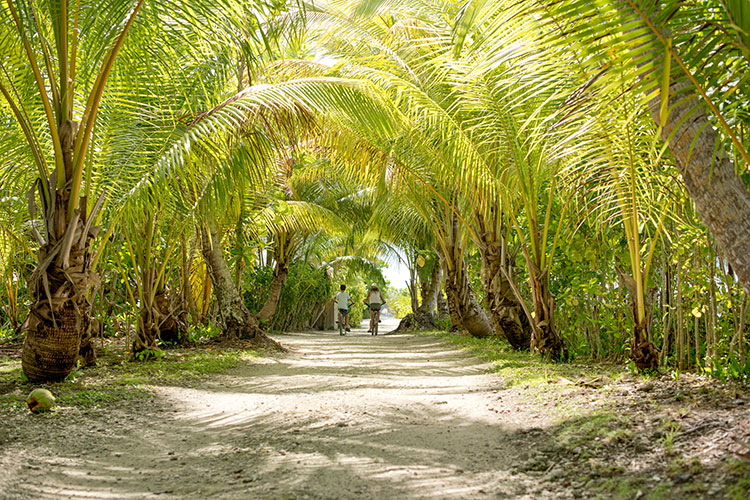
(283, 249)
(147, 330)
(506, 312)
(442, 306)
(546, 338)
(59, 317)
(465, 311)
(235, 319)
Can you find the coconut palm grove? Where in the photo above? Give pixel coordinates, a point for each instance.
(549, 201)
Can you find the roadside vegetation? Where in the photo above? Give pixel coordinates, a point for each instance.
(566, 183)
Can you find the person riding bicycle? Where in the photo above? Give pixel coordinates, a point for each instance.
(374, 301)
(343, 301)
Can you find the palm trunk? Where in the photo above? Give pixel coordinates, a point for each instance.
(186, 295)
(147, 330)
(464, 309)
(643, 352)
(442, 306)
(282, 254)
(508, 317)
(545, 337)
(234, 318)
(149, 318)
(720, 196)
(430, 289)
(666, 309)
(59, 316)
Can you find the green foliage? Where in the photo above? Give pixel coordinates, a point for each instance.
(596, 430)
(729, 369)
(306, 290)
(6, 334)
(400, 302)
(306, 287)
(256, 287)
(520, 368)
(201, 333)
(148, 355)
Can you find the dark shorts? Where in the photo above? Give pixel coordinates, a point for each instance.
(345, 312)
(375, 307)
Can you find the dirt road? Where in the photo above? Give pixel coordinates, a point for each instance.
(392, 416)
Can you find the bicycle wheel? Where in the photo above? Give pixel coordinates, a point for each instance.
(375, 323)
(341, 324)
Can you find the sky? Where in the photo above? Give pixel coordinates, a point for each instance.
(397, 274)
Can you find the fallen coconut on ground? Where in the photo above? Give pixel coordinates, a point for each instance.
(40, 400)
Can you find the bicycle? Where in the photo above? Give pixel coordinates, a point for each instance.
(376, 320)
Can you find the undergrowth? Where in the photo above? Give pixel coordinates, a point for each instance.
(117, 379)
(522, 368)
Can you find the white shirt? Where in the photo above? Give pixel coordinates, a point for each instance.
(342, 300)
(375, 297)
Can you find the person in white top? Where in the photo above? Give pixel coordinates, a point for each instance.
(374, 301)
(342, 303)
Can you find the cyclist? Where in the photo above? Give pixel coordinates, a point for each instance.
(374, 301)
(343, 301)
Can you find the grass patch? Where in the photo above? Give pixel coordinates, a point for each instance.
(522, 368)
(117, 379)
(739, 490)
(627, 488)
(595, 430)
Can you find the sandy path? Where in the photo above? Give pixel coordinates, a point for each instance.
(397, 416)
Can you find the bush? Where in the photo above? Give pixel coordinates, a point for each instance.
(305, 292)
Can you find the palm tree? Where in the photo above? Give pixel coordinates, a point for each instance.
(416, 71)
(664, 53)
(58, 59)
(149, 249)
(59, 316)
(622, 178)
(301, 213)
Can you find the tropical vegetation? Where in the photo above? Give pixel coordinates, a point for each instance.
(568, 176)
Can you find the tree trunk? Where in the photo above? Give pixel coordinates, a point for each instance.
(667, 307)
(430, 289)
(442, 305)
(234, 318)
(147, 330)
(173, 323)
(59, 317)
(282, 254)
(188, 306)
(680, 329)
(545, 337)
(464, 309)
(720, 196)
(508, 317)
(643, 352)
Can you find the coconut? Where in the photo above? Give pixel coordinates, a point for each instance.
(40, 400)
